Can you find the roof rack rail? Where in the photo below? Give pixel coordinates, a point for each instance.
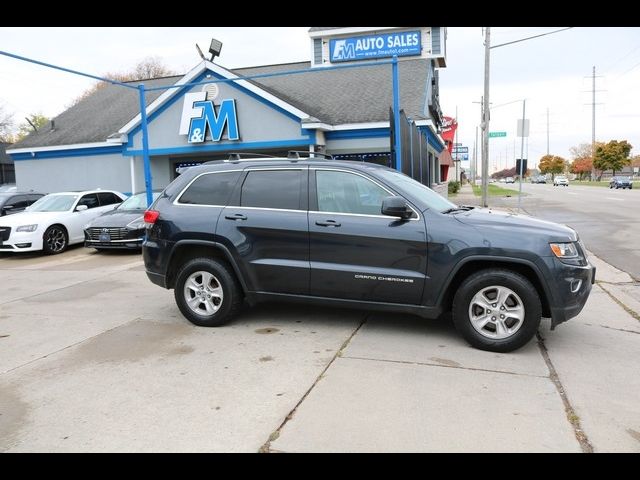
(296, 154)
(235, 156)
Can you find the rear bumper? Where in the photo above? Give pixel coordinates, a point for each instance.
(157, 278)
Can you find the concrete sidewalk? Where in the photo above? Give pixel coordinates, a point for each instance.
(403, 385)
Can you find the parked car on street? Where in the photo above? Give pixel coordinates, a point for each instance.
(16, 202)
(621, 182)
(509, 180)
(355, 234)
(55, 221)
(560, 180)
(121, 228)
(539, 179)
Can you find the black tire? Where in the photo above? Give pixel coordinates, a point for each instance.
(55, 240)
(525, 293)
(223, 278)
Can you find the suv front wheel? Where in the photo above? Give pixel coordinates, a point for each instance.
(207, 292)
(497, 310)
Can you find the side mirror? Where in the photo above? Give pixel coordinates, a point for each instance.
(396, 207)
(81, 208)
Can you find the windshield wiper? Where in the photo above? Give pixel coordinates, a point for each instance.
(459, 208)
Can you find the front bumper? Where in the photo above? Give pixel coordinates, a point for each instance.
(21, 242)
(571, 290)
(127, 244)
(113, 238)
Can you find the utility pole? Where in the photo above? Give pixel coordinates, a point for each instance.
(522, 154)
(475, 158)
(547, 130)
(455, 147)
(593, 118)
(485, 119)
(593, 125)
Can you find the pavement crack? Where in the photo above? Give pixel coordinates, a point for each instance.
(630, 311)
(459, 367)
(572, 417)
(619, 329)
(266, 447)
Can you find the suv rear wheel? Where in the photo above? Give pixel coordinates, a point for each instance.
(497, 310)
(207, 292)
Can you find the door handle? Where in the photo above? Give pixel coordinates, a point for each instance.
(328, 223)
(236, 216)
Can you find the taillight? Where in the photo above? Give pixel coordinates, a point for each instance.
(150, 216)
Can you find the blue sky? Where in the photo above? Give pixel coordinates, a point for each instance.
(549, 72)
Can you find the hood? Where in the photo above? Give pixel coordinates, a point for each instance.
(487, 220)
(29, 218)
(116, 218)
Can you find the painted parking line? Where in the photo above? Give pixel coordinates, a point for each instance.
(618, 199)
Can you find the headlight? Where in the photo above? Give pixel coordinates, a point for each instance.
(27, 228)
(564, 250)
(137, 224)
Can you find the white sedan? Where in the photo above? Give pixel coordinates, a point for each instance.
(55, 221)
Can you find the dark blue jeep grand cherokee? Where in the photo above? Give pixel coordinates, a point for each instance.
(358, 235)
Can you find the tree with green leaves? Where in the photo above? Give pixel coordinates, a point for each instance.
(552, 164)
(32, 123)
(612, 156)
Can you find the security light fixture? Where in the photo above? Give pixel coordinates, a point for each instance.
(215, 48)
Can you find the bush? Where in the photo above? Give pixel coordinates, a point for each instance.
(454, 187)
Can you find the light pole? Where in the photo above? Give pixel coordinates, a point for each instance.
(485, 117)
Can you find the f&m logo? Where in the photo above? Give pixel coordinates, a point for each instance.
(343, 50)
(199, 114)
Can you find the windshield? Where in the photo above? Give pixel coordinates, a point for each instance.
(137, 201)
(425, 194)
(53, 203)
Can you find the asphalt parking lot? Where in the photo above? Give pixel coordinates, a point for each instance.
(94, 358)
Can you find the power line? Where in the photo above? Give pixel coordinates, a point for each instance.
(529, 38)
(608, 69)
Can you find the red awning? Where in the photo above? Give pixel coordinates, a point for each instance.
(445, 158)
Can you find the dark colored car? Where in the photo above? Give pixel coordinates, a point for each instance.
(355, 234)
(621, 182)
(16, 202)
(122, 227)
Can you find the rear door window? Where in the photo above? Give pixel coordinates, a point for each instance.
(210, 189)
(108, 198)
(277, 189)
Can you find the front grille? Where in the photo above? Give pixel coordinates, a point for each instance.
(114, 233)
(4, 233)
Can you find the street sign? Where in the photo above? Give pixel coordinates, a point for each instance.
(460, 156)
(520, 164)
(526, 128)
(497, 134)
(460, 149)
(457, 144)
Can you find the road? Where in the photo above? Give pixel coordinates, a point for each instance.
(608, 221)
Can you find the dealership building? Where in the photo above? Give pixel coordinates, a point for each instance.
(343, 112)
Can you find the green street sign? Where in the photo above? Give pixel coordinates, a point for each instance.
(497, 134)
